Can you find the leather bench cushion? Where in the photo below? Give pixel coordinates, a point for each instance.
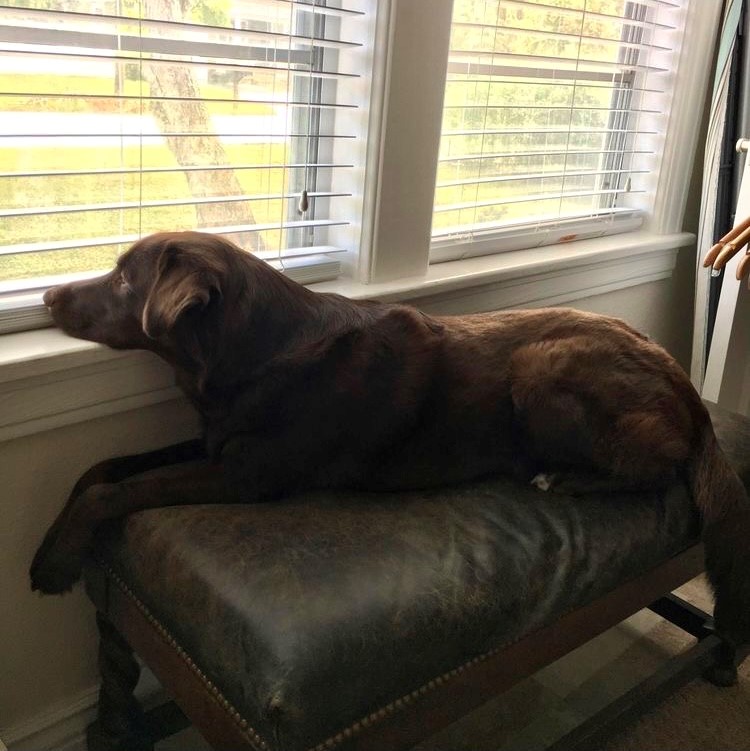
(309, 614)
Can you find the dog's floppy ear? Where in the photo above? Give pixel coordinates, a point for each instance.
(184, 279)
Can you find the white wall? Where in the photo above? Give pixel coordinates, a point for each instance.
(48, 644)
(663, 309)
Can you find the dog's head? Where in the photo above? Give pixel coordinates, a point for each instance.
(162, 281)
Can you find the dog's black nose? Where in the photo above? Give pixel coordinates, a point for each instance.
(49, 296)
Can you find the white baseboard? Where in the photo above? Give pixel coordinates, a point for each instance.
(62, 727)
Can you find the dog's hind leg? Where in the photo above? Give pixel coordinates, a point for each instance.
(579, 482)
(587, 427)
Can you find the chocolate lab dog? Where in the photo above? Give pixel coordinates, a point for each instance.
(299, 390)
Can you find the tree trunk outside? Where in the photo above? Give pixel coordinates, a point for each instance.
(190, 115)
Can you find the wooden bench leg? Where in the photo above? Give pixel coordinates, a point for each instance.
(712, 657)
(724, 670)
(120, 724)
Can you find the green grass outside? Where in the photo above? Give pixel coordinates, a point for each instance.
(30, 93)
(43, 93)
(53, 191)
(63, 94)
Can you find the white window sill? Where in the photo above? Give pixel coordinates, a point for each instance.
(48, 379)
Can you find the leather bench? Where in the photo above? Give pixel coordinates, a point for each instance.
(369, 621)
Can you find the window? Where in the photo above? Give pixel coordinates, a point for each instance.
(553, 121)
(119, 118)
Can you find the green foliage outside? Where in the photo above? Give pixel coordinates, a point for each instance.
(475, 101)
(99, 188)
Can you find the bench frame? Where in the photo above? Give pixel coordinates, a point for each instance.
(126, 627)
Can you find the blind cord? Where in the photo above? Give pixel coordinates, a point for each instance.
(304, 203)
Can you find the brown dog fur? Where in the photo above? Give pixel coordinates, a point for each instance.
(301, 390)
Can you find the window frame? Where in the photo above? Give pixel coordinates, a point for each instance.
(401, 234)
(617, 152)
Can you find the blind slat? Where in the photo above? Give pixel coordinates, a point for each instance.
(534, 176)
(39, 284)
(165, 99)
(139, 38)
(249, 66)
(551, 36)
(558, 196)
(614, 86)
(174, 170)
(166, 203)
(541, 153)
(136, 136)
(645, 3)
(555, 63)
(549, 108)
(564, 219)
(308, 7)
(576, 13)
(611, 75)
(546, 131)
(129, 238)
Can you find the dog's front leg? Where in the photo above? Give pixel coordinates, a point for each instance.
(58, 561)
(121, 467)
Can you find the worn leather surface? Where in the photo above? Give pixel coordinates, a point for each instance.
(311, 613)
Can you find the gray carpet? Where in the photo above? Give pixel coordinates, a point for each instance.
(541, 709)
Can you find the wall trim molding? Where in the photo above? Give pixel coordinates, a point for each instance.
(74, 394)
(554, 287)
(48, 380)
(62, 727)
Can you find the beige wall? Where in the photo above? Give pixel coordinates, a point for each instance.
(48, 644)
(663, 309)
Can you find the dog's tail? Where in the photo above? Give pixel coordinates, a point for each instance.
(723, 503)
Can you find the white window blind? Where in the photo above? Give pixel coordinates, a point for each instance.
(119, 118)
(553, 122)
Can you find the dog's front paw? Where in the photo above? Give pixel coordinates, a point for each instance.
(58, 562)
(56, 567)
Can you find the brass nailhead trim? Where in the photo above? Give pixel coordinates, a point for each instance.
(383, 712)
(245, 728)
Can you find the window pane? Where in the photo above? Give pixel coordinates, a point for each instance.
(553, 113)
(119, 118)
